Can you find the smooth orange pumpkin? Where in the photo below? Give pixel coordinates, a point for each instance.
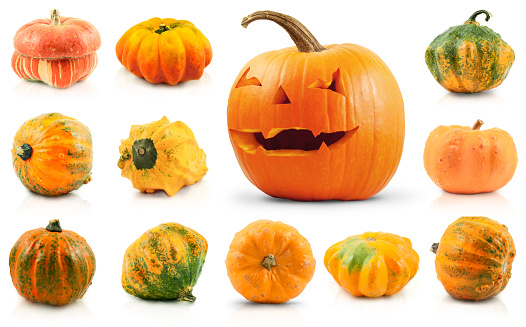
(50, 265)
(474, 258)
(59, 51)
(52, 154)
(372, 264)
(465, 160)
(316, 122)
(164, 51)
(269, 262)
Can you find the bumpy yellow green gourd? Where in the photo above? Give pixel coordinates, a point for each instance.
(161, 156)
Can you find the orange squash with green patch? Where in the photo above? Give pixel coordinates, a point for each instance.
(161, 156)
(372, 264)
(50, 265)
(52, 154)
(474, 258)
(164, 263)
(469, 58)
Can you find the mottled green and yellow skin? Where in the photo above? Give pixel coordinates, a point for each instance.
(469, 58)
(52, 266)
(474, 258)
(372, 264)
(164, 263)
(52, 154)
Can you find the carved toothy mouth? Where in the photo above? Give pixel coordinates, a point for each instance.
(295, 141)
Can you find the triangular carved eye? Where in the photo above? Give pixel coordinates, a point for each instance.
(334, 85)
(243, 81)
(281, 97)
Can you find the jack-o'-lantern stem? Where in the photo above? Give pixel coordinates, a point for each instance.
(472, 19)
(304, 40)
(55, 17)
(477, 125)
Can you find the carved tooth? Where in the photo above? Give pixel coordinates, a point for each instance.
(324, 148)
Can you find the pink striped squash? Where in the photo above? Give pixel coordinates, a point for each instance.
(59, 51)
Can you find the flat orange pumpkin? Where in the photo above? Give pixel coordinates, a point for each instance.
(316, 122)
(465, 160)
(269, 262)
(164, 51)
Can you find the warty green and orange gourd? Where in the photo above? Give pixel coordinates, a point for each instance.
(50, 265)
(52, 154)
(474, 258)
(164, 263)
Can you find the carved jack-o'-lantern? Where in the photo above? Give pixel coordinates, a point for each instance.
(313, 122)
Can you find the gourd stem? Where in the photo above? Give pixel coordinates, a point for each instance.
(55, 17)
(434, 248)
(54, 226)
(304, 40)
(477, 125)
(162, 28)
(141, 151)
(472, 19)
(24, 151)
(269, 262)
(186, 295)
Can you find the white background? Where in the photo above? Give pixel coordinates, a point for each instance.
(111, 214)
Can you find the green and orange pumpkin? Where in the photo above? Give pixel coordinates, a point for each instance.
(315, 122)
(59, 51)
(469, 58)
(164, 263)
(50, 265)
(372, 264)
(474, 258)
(52, 154)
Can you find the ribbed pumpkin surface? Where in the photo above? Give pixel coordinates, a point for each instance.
(161, 156)
(474, 258)
(469, 58)
(372, 264)
(164, 51)
(164, 263)
(61, 155)
(51, 267)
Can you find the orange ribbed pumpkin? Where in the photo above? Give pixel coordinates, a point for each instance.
(52, 154)
(465, 160)
(59, 51)
(164, 51)
(269, 262)
(316, 123)
(50, 265)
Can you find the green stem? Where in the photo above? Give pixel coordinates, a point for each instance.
(434, 248)
(472, 19)
(186, 295)
(54, 226)
(269, 261)
(304, 40)
(24, 151)
(162, 28)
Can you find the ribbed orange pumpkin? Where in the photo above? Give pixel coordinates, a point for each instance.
(50, 265)
(372, 264)
(59, 51)
(269, 262)
(465, 160)
(474, 258)
(316, 122)
(52, 154)
(164, 51)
